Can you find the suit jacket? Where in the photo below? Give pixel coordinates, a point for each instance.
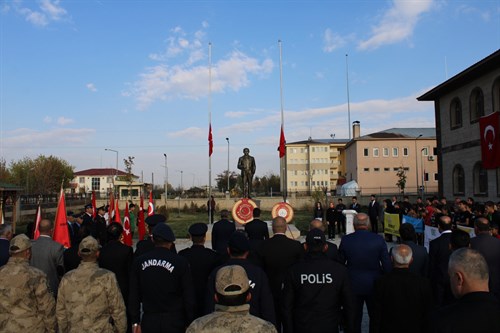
(489, 247)
(257, 232)
(439, 255)
(117, 257)
(397, 294)
(420, 264)
(373, 211)
(276, 255)
(47, 255)
(4, 251)
(221, 231)
(71, 258)
(475, 312)
(366, 257)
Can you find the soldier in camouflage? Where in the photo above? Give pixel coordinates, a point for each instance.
(98, 307)
(26, 305)
(232, 313)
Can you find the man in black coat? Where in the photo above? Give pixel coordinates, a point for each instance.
(221, 231)
(315, 290)
(332, 251)
(88, 219)
(147, 243)
(256, 230)
(202, 261)
(339, 216)
(489, 247)
(373, 213)
(261, 303)
(276, 255)
(439, 255)
(420, 258)
(399, 293)
(476, 310)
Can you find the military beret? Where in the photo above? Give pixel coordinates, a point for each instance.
(88, 245)
(315, 237)
(239, 241)
(155, 219)
(19, 243)
(198, 229)
(163, 231)
(231, 280)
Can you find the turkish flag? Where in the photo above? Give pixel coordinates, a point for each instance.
(94, 208)
(127, 235)
(151, 206)
(490, 140)
(111, 208)
(282, 147)
(141, 225)
(36, 232)
(61, 232)
(210, 140)
(117, 213)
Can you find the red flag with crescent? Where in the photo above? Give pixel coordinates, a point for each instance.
(151, 207)
(282, 147)
(117, 213)
(210, 140)
(141, 225)
(61, 232)
(490, 140)
(127, 234)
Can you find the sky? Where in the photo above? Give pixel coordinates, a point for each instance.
(79, 77)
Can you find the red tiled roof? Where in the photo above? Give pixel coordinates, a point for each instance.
(100, 172)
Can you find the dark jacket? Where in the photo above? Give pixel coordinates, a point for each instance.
(489, 247)
(398, 294)
(314, 292)
(420, 263)
(439, 255)
(117, 258)
(4, 251)
(221, 231)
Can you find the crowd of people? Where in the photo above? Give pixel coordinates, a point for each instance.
(249, 280)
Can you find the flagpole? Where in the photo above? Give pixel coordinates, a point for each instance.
(348, 102)
(282, 159)
(210, 129)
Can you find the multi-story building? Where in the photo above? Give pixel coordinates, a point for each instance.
(315, 164)
(374, 160)
(459, 103)
(103, 180)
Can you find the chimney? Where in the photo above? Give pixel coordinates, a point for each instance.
(356, 131)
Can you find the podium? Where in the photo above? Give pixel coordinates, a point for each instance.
(349, 220)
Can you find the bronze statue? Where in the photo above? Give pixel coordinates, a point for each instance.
(246, 164)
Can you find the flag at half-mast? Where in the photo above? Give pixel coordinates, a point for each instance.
(210, 140)
(61, 232)
(282, 147)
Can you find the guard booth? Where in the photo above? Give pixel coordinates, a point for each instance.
(9, 203)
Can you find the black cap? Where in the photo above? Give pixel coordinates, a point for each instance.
(155, 219)
(87, 206)
(101, 208)
(198, 229)
(315, 237)
(239, 241)
(70, 213)
(77, 215)
(163, 231)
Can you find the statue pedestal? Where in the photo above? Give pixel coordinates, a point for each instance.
(349, 218)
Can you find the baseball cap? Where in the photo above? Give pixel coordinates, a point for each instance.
(88, 245)
(19, 243)
(231, 280)
(163, 231)
(315, 237)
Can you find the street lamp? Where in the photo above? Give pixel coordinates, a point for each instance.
(116, 169)
(416, 161)
(227, 139)
(166, 179)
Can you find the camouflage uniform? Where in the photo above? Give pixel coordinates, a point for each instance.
(94, 307)
(230, 319)
(26, 305)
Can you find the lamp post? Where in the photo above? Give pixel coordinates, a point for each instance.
(116, 169)
(227, 139)
(166, 179)
(416, 162)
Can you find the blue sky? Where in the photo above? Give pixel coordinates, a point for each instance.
(77, 77)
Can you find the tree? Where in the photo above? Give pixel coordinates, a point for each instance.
(5, 176)
(129, 177)
(401, 183)
(221, 180)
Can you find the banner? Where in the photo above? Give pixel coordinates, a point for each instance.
(418, 224)
(468, 230)
(430, 233)
(391, 224)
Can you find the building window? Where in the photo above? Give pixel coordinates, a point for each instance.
(476, 103)
(435, 177)
(480, 178)
(109, 180)
(496, 95)
(376, 169)
(395, 169)
(426, 176)
(395, 152)
(405, 151)
(425, 151)
(455, 114)
(458, 180)
(366, 169)
(375, 152)
(81, 180)
(387, 169)
(385, 151)
(96, 184)
(365, 152)
(406, 169)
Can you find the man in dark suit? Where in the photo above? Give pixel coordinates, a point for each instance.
(489, 247)
(202, 261)
(354, 204)
(420, 259)
(5, 237)
(276, 255)
(221, 231)
(373, 213)
(98, 230)
(47, 255)
(87, 217)
(256, 230)
(439, 255)
(366, 257)
(399, 293)
(476, 309)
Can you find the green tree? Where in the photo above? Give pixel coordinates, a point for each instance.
(221, 180)
(401, 183)
(5, 176)
(129, 177)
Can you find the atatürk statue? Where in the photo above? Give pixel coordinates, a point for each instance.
(246, 164)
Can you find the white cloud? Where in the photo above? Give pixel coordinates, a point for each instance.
(47, 120)
(236, 114)
(47, 12)
(397, 23)
(190, 132)
(25, 137)
(91, 87)
(64, 121)
(332, 41)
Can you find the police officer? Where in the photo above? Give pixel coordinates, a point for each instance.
(146, 244)
(98, 307)
(161, 280)
(26, 305)
(88, 220)
(202, 261)
(99, 229)
(315, 290)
